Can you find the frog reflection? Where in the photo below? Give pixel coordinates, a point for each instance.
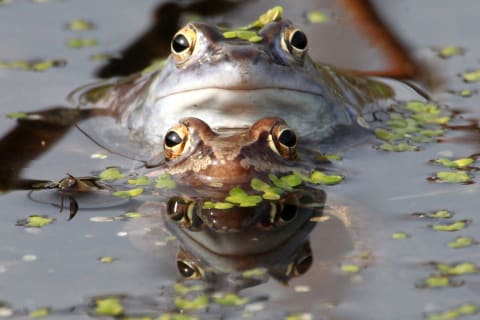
(218, 244)
(232, 82)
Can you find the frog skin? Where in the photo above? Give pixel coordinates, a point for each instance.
(232, 83)
(227, 158)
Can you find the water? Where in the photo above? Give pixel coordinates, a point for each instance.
(58, 267)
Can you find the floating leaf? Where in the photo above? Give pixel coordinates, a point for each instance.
(230, 299)
(80, 25)
(35, 221)
(454, 226)
(449, 51)
(165, 181)
(78, 43)
(401, 147)
(316, 17)
(217, 205)
(183, 289)
(333, 157)
(176, 316)
(462, 242)
(463, 310)
(199, 302)
(240, 197)
(107, 259)
(140, 181)
(456, 269)
(39, 313)
(437, 281)
(269, 193)
(111, 174)
(399, 235)
(318, 177)
(109, 306)
(452, 176)
(128, 193)
(456, 164)
(133, 215)
(472, 76)
(350, 268)
(386, 135)
(440, 214)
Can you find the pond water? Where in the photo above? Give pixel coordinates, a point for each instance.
(60, 266)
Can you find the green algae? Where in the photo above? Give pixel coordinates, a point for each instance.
(269, 192)
(165, 181)
(229, 299)
(399, 235)
(463, 310)
(452, 176)
(140, 181)
(35, 221)
(451, 227)
(107, 259)
(217, 205)
(32, 65)
(39, 313)
(238, 196)
(80, 25)
(184, 289)
(350, 268)
(450, 51)
(471, 76)
(455, 164)
(456, 269)
(109, 306)
(200, 302)
(78, 43)
(128, 193)
(462, 242)
(111, 174)
(316, 16)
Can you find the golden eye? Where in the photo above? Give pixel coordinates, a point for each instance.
(183, 43)
(294, 41)
(284, 141)
(175, 142)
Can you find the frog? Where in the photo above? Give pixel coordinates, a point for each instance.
(231, 82)
(201, 156)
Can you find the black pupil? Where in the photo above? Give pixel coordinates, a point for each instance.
(172, 139)
(299, 40)
(288, 138)
(180, 43)
(184, 269)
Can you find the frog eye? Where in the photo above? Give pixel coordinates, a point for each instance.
(175, 142)
(283, 141)
(189, 270)
(183, 213)
(183, 43)
(294, 41)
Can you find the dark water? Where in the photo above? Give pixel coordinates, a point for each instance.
(58, 267)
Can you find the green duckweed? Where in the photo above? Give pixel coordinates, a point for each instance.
(452, 176)
(462, 242)
(197, 303)
(450, 227)
(128, 193)
(109, 306)
(111, 174)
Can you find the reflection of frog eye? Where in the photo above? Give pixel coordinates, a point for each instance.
(284, 141)
(183, 43)
(189, 270)
(183, 212)
(294, 41)
(175, 141)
